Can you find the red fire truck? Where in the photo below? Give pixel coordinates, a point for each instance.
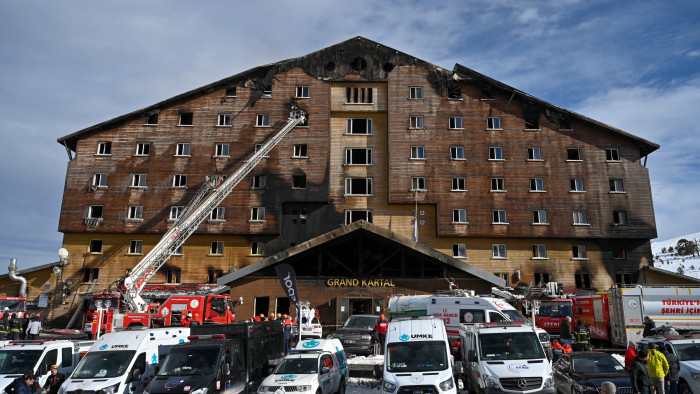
(552, 313)
(9, 305)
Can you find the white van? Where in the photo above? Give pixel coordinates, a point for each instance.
(19, 356)
(417, 357)
(315, 365)
(124, 361)
(505, 357)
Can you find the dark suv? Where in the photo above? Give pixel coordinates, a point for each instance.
(356, 334)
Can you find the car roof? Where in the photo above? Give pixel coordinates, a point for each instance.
(581, 354)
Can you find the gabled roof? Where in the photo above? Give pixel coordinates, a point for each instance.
(361, 225)
(359, 56)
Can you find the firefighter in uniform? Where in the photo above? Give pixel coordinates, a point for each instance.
(15, 327)
(3, 327)
(582, 337)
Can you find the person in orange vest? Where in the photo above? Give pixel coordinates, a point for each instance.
(184, 320)
(567, 348)
(287, 335)
(195, 321)
(557, 350)
(380, 328)
(256, 318)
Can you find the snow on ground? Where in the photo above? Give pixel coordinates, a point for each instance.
(669, 262)
(372, 359)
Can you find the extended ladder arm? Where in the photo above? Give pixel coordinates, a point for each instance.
(212, 193)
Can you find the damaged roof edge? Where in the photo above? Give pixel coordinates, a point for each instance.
(470, 75)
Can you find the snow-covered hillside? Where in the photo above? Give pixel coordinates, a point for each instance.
(671, 262)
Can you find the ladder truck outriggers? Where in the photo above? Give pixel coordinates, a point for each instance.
(211, 308)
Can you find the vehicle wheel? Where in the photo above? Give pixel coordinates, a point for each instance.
(341, 387)
(683, 388)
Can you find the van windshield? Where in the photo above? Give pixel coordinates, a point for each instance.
(18, 361)
(556, 309)
(190, 361)
(103, 364)
(13, 306)
(514, 315)
(510, 346)
(416, 356)
(297, 365)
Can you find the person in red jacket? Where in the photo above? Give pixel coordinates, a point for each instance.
(630, 355)
(380, 329)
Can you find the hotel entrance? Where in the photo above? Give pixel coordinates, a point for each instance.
(357, 303)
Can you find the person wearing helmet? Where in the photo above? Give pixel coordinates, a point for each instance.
(54, 381)
(195, 320)
(380, 329)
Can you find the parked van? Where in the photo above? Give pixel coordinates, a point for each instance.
(317, 365)
(19, 356)
(505, 357)
(417, 357)
(124, 361)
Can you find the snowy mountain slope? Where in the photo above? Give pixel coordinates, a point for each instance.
(671, 262)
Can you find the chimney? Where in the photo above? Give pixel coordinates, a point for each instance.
(13, 276)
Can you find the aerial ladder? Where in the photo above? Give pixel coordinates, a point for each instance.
(212, 193)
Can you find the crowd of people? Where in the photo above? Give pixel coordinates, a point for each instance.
(14, 327)
(655, 369)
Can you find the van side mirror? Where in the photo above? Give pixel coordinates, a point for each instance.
(226, 369)
(471, 356)
(325, 370)
(135, 375)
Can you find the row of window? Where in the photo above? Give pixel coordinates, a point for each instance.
(136, 248)
(539, 217)
(539, 251)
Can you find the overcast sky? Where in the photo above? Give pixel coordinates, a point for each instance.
(66, 65)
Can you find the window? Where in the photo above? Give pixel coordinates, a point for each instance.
(623, 279)
(620, 218)
(213, 275)
(358, 156)
(416, 122)
(539, 251)
(616, 186)
(499, 251)
(455, 122)
(580, 217)
(539, 216)
(256, 248)
(454, 92)
(221, 150)
(218, 214)
(532, 122)
(495, 153)
(176, 212)
(299, 181)
(95, 212)
(358, 186)
(358, 95)
(302, 92)
(138, 180)
(612, 154)
(534, 154)
(179, 180)
(358, 126)
(66, 357)
(135, 212)
(573, 154)
(182, 149)
(99, 180)
(143, 149)
(186, 119)
(498, 185)
(258, 147)
(152, 119)
(355, 215)
(457, 153)
(176, 251)
(459, 251)
(262, 121)
(576, 185)
(415, 92)
(536, 185)
(104, 148)
(459, 216)
(619, 252)
(578, 252)
(217, 248)
(258, 182)
(582, 280)
(91, 274)
(300, 151)
(564, 125)
(504, 276)
(417, 152)
(231, 92)
(267, 92)
(459, 184)
(257, 214)
(224, 120)
(172, 275)
(418, 183)
(136, 247)
(499, 217)
(95, 246)
(541, 278)
(493, 123)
